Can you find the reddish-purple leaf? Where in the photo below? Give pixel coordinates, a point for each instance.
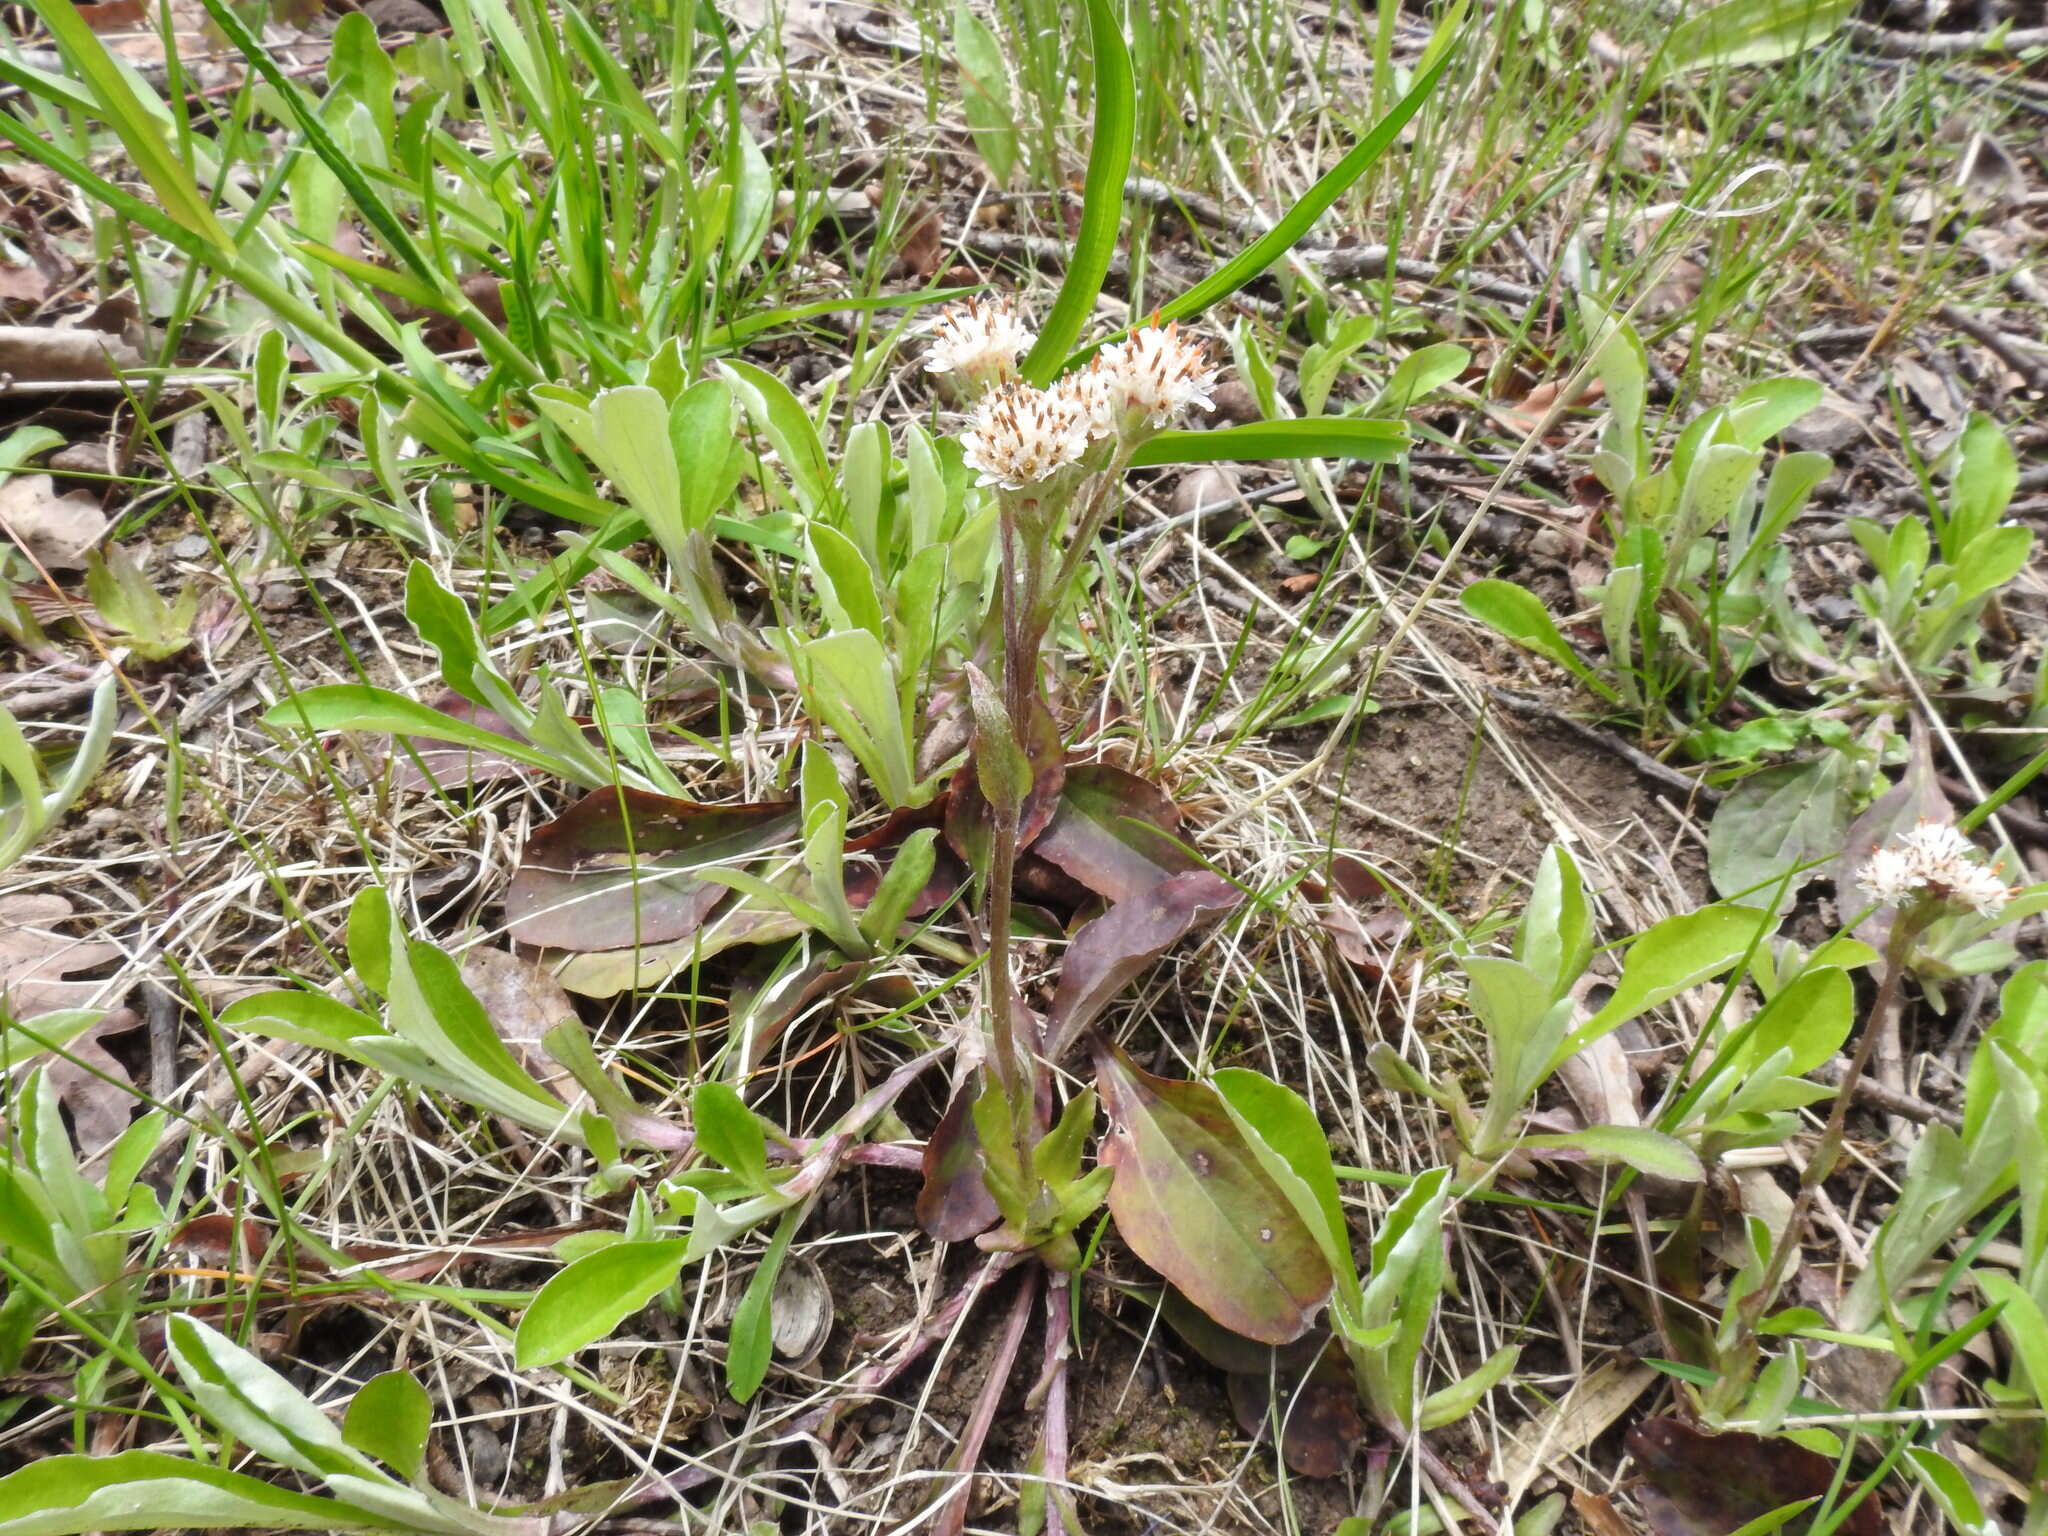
(955, 1204)
(1710, 1485)
(1320, 1425)
(1193, 1200)
(1113, 832)
(579, 888)
(1110, 952)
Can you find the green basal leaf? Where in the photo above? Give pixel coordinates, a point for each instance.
(584, 1301)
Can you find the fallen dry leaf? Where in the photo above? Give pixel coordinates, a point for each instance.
(55, 530)
(524, 1002)
(1362, 919)
(46, 354)
(90, 1081)
(1569, 1425)
(1701, 1484)
(35, 959)
(23, 285)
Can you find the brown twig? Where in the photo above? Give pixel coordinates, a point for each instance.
(1894, 44)
(1904, 1105)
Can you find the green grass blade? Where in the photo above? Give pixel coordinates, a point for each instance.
(139, 129)
(375, 211)
(1102, 210)
(1356, 437)
(1298, 220)
(740, 330)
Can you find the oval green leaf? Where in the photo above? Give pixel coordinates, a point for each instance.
(591, 1297)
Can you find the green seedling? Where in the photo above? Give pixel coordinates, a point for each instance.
(433, 1035)
(1934, 577)
(1698, 564)
(66, 1224)
(29, 803)
(1529, 1003)
(371, 1463)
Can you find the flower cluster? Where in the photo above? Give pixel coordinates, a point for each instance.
(1934, 859)
(1022, 436)
(978, 344)
(1152, 378)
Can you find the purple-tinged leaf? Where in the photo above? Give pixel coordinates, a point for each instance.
(970, 820)
(1193, 1200)
(954, 1204)
(1110, 952)
(1711, 1485)
(452, 765)
(1113, 832)
(1320, 1425)
(614, 870)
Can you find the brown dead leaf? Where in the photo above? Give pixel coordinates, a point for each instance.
(1602, 1084)
(1930, 390)
(1599, 1516)
(1988, 175)
(524, 1002)
(1362, 919)
(1702, 1484)
(1320, 1425)
(23, 285)
(398, 16)
(922, 250)
(131, 30)
(47, 354)
(1569, 1425)
(56, 531)
(35, 958)
(90, 1081)
(1527, 415)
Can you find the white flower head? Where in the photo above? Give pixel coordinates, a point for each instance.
(1936, 860)
(1151, 378)
(1888, 877)
(978, 344)
(1021, 436)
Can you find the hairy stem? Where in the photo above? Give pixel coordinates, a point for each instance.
(1907, 924)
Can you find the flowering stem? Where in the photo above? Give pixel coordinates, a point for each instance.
(1907, 925)
(1086, 528)
(1003, 851)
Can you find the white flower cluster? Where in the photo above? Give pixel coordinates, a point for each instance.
(978, 344)
(1021, 436)
(1154, 376)
(1934, 859)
